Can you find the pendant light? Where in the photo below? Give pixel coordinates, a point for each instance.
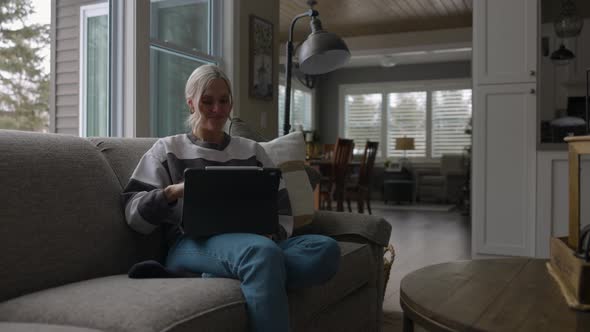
(568, 25)
(562, 56)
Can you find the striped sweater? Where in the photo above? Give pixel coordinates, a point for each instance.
(146, 207)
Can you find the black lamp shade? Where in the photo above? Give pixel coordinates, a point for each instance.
(562, 56)
(322, 52)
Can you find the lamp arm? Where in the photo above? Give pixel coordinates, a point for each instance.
(286, 122)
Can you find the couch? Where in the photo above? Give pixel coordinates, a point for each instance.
(66, 249)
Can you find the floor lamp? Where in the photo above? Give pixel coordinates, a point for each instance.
(320, 53)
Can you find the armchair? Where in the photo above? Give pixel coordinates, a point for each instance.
(443, 184)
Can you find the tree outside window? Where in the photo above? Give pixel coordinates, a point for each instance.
(24, 80)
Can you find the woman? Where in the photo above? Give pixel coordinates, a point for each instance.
(265, 265)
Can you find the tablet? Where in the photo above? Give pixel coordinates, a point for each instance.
(230, 199)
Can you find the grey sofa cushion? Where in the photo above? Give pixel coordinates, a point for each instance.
(122, 154)
(61, 215)
(241, 128)
(118, 303)
(30, 327)
(122, 304)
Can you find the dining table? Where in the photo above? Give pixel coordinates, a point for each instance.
(324, 167)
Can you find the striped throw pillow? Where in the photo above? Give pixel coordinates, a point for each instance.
(288, 153)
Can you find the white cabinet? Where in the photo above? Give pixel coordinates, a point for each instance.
(505, 41)
(504, 169)
(504, 126)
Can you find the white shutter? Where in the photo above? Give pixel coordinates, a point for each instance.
(363, 118)
(300, 108)
(451, 112)
(281, 108)
(407, 117)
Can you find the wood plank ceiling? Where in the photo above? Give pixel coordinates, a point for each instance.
(349, 18)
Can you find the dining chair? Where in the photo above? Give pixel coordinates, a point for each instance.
(328, 151)
(333, 186)
(360, 190)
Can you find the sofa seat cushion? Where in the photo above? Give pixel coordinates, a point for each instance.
(117, 303)
(357, 269)
(29, 327)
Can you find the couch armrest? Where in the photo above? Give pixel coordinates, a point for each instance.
(343, 224)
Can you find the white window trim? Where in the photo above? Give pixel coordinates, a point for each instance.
(86, 12)
(394, 87)
(295, 84)
(137, 65)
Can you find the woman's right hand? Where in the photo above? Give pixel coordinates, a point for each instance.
(174, 191)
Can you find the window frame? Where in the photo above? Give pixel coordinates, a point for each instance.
(384, 88)
(297, 85)
(86, 12)
(137, 110)
(212, 56)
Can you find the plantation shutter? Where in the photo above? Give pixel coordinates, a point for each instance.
(300, 109)
(451, 113)
(363, 119)
(407, 118)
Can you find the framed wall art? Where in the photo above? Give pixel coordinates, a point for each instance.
(261, 58)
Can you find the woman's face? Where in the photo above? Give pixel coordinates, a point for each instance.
(215, 106)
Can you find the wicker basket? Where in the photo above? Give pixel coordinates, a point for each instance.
(387, 263)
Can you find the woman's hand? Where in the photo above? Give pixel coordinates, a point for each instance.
(174, 191)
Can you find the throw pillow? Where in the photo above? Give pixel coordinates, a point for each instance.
(288, 153)
(239, 127)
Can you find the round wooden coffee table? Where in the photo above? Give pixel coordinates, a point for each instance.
(487, 295)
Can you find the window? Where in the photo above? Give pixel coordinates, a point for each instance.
(301, 108)
(363, 114)
(181, 39)
(435, 114)
(451, 111)
(24, 65)
(94, 68)
(406, 114)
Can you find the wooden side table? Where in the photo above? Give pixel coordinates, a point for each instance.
(487, 295)
(577, 146)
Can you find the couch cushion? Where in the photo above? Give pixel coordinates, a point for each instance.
(61, 214)
(239, 127)
(122, 154)
(30, 327)
(356, 270)
(118, 303)
(122, 304)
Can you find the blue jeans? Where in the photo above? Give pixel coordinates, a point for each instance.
(265, 268)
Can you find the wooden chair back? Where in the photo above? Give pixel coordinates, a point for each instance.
(340, 160)
(367, 163)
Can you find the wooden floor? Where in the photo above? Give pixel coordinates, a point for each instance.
(420, 238)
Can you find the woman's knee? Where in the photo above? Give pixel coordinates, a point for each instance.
(326, 247)
(264, 249)
(330, 255)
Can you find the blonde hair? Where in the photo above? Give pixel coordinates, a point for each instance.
(196, 85)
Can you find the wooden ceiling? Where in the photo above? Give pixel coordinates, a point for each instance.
(351, 18)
